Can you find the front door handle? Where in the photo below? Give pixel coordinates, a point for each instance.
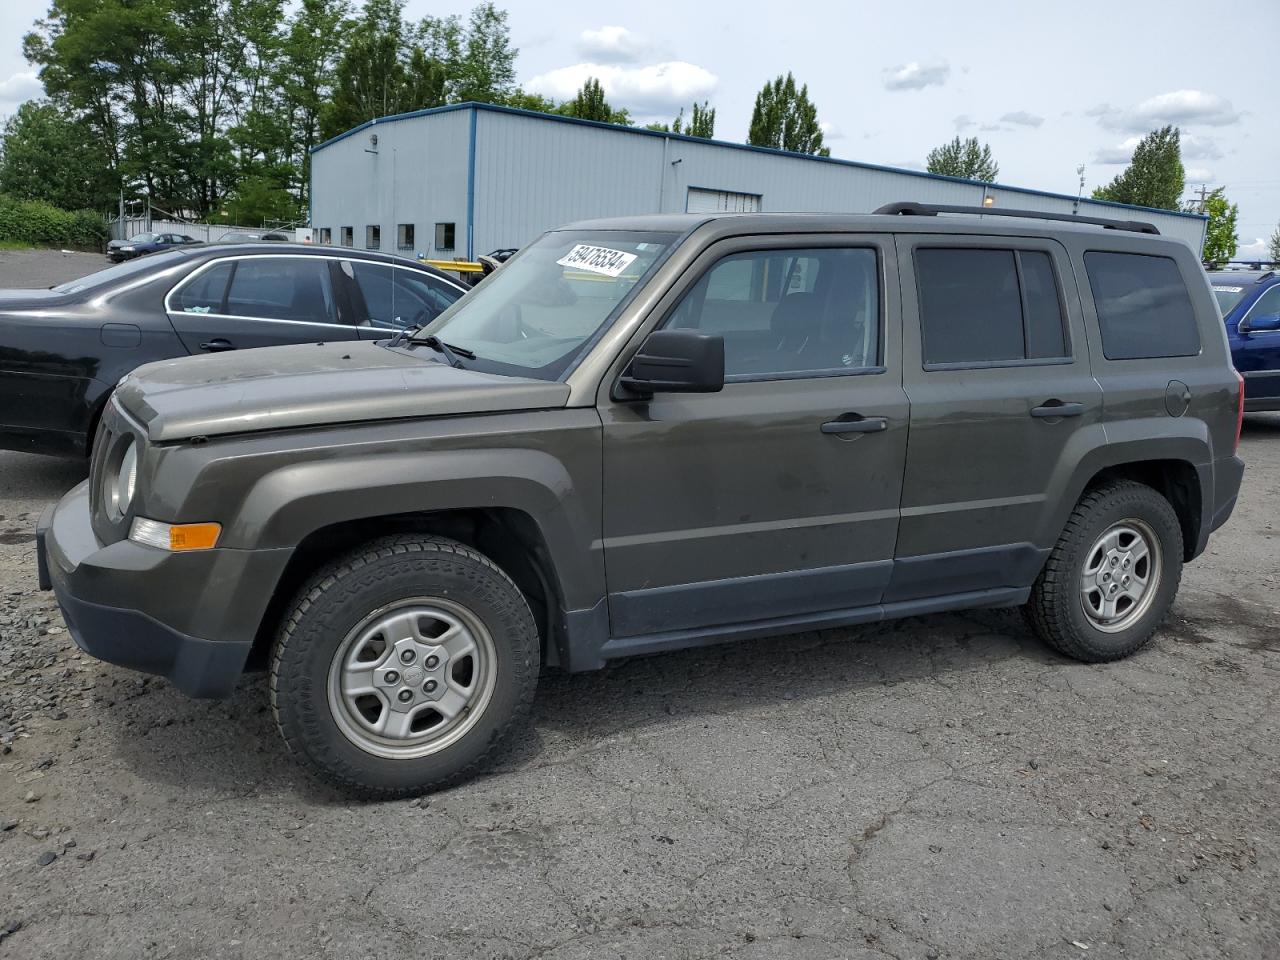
(218, 345)
(860, 425)
(1053, 409)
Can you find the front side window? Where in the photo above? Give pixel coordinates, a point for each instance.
(395, 298)
(282, 288)
(537, 314)
(788, 312)
(1144, 309)
(1267, 305)
(988, 306)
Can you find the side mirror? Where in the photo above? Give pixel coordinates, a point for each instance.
(677, 361)
(1266, 323)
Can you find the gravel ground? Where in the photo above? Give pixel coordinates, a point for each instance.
(937, 787)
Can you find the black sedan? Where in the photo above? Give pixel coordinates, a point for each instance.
(136, 246)
(63, 350)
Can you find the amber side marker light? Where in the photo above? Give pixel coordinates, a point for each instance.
(176, 537)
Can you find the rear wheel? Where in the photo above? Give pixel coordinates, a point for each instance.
(1112, 576)
(403, 665)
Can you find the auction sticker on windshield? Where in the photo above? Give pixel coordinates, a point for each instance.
(601, 260)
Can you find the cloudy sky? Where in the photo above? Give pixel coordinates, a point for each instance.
(1049, 86)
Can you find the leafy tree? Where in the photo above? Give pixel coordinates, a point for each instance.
(523, 100)
(590, 104)
(1274, 245)
(486, 72)
(47, 156)
(785, 118)
(1220, 239)
(963, 158)
(702, 124)
(1154, 178)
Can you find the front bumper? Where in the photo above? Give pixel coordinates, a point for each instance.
(189, 617)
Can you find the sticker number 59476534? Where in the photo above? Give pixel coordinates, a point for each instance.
(601, 260)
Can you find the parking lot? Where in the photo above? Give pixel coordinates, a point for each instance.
(936, 787)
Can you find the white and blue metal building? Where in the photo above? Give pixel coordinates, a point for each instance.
(459, 181)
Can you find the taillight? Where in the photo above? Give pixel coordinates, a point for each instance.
(1239, 410)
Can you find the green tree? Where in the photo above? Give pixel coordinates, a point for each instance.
(963, 158)
(1154, 178)
(524, 100)
(1274, 244)
(45, 155)
(785, 118)
(486, 72)
(702, 124)
(590, 104)
(1220, 239)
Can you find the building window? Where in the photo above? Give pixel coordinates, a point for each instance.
(326, 234)
(721, 201)
(404, 236)
(348, 236)
(373, 237)
(444, 236)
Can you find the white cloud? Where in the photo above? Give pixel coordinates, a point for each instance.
(1259, 249)
(654, 89)
(917, 76)
(612, 45)
(1197, 175)
(1179, 107)
(964, 122)
(1120, 153)
(988, 127)
(1022, 118)
(1198, 148)
(830, 131)
(18, 88)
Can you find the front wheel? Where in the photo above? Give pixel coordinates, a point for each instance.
(1112, 577)
(403, 665)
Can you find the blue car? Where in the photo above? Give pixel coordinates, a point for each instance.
(1250, 305)
(141, 243)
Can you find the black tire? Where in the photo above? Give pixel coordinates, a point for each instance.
(339, 598)
(1056, 610)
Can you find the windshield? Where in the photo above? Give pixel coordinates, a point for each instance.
(144, 238)
(1228, 297)
(537, 314)
(157, 262)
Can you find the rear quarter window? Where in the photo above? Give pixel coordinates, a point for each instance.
(1144, 309)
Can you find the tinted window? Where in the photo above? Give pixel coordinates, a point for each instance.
(1045, 336)
(205, 292)
(785, 312)
(970, 308)
(1143, 306)
(397, 298)
(981, 306)
(278, 288)
(1267, 305)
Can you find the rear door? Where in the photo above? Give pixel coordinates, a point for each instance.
(996, 367)
(258, 301)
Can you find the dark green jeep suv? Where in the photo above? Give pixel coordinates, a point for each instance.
(651, 433)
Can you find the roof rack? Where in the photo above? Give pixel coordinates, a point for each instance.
(933, 209)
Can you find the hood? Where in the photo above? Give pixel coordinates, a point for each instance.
(314, 384)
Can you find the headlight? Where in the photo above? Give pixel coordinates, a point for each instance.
(119, 483)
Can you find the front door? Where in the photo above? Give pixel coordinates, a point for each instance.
(1256, 351)
(778, 496)
(258, 301)
(997, 370)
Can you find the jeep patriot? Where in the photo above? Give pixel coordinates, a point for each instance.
(651, 433)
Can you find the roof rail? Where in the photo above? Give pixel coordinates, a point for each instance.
(933, 209)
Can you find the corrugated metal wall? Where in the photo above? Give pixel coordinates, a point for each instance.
(533, 173)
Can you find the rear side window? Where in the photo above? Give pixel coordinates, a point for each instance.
(1144, 309)
(984, 306)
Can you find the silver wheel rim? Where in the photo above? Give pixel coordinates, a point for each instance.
(412, 678)
(1121, 576)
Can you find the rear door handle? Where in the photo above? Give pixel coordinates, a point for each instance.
(1055, 408)
(861, 425)
(218, 345)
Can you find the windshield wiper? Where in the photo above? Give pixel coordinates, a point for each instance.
(451, 353)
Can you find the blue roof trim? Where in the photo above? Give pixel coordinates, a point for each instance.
(640, 131)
